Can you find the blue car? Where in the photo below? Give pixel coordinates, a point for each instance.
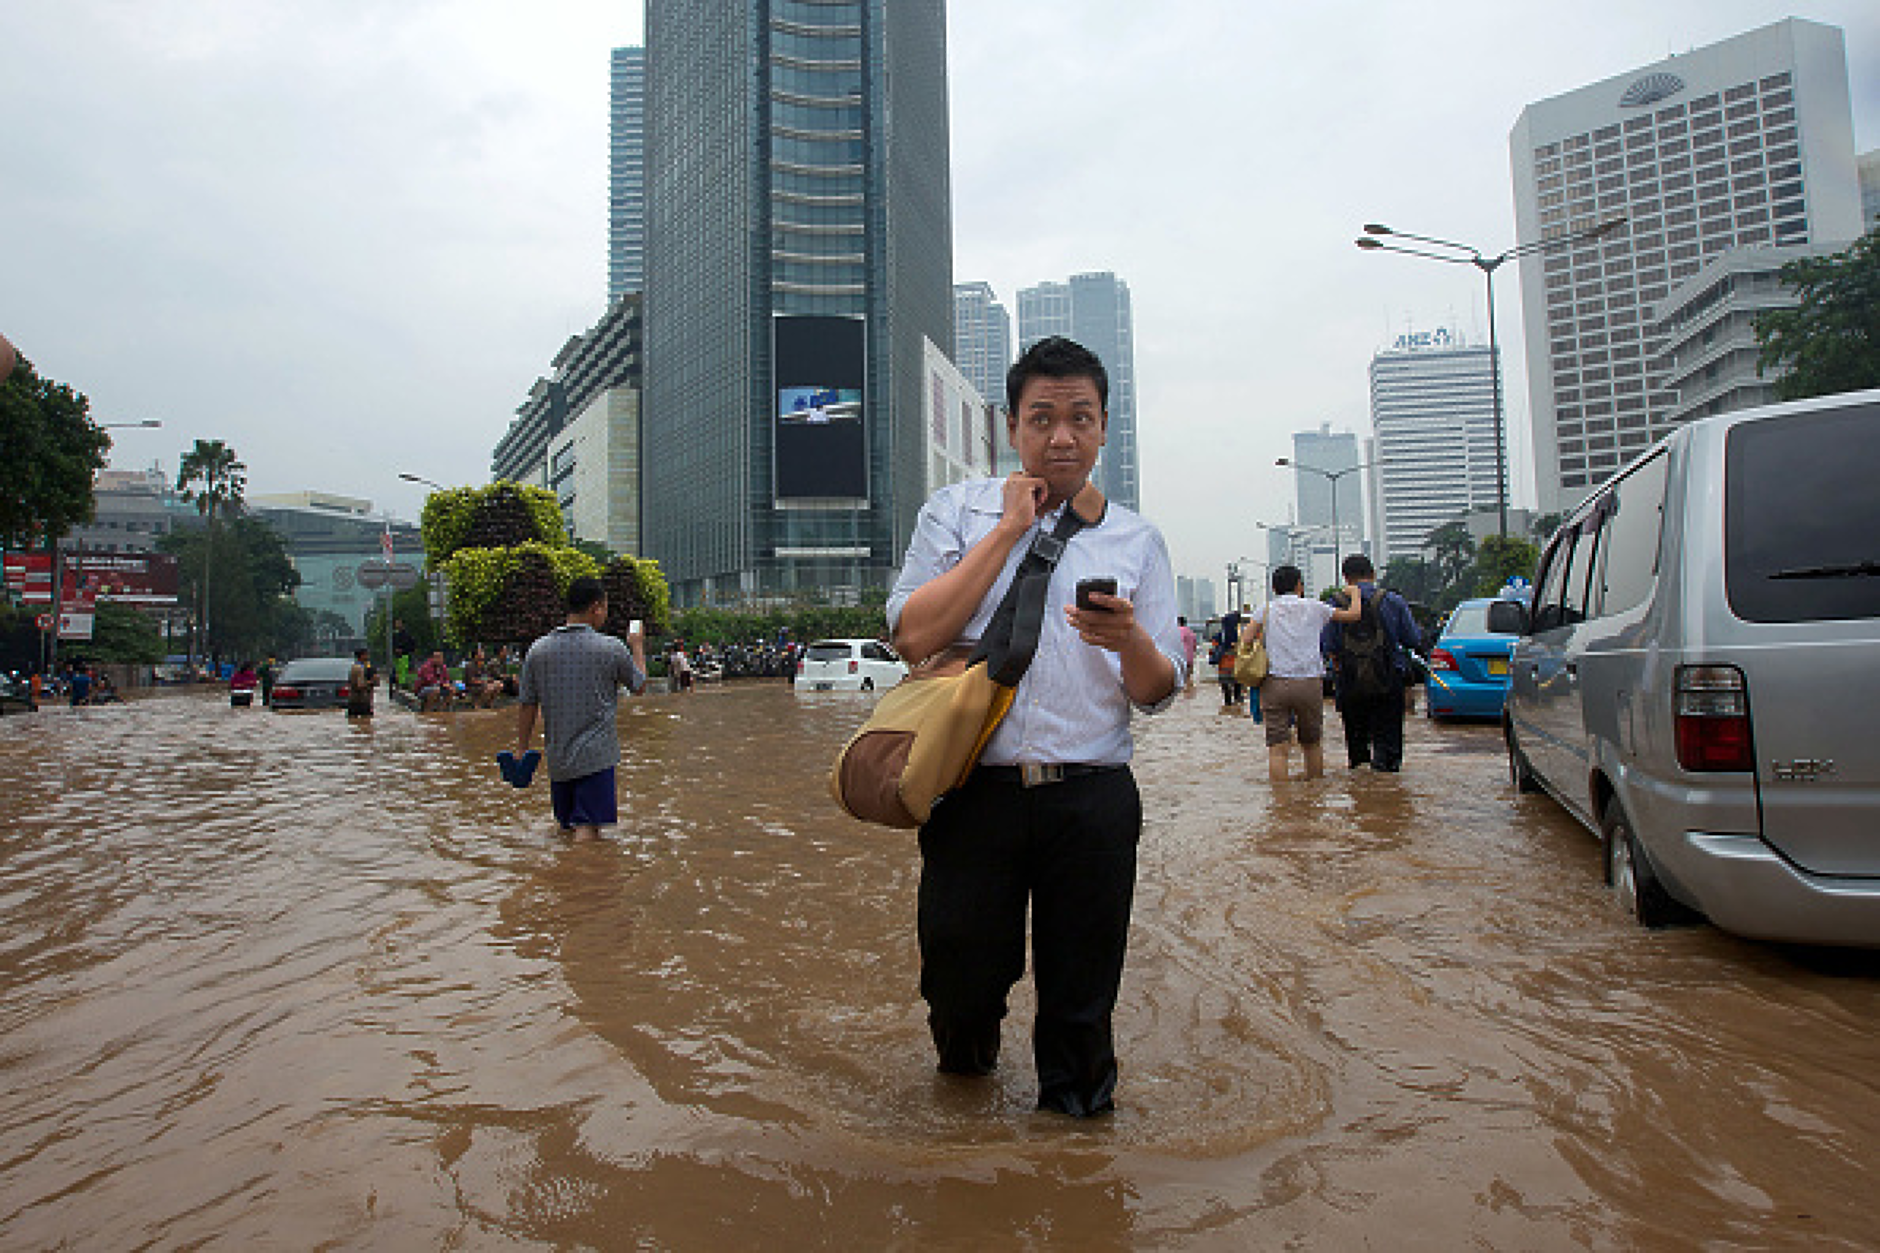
(1469, 661)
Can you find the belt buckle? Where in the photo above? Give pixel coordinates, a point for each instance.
(1038, 773)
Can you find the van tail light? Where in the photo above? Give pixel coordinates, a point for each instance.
(1712, 708)
(799, 665)
(854, 665)
(345, 693)
(1442, 659)
(286, 693)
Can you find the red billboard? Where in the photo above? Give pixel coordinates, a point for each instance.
(146, 579)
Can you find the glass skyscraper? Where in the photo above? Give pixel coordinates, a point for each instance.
(1094, 310)
(626, 175)
(799, 249)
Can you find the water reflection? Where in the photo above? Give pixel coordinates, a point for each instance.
(293, 980)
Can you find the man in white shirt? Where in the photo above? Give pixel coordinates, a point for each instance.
(1051, 816)
(1294, 690)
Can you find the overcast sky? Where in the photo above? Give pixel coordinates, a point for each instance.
(346, 235)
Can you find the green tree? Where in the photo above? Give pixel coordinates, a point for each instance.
(52, 451)
(1830, 341)
(1412, 578)
(122, 634)
(412, 606)
(253, 613)
(1544, 527)
(211, 476)
(1500, 559)
(1451, 549)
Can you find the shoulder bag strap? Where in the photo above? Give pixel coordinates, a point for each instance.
(1011, 637)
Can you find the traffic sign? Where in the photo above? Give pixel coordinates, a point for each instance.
(376, 574)
(43, 622)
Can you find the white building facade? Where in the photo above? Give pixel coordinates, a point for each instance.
(963, 431)
(1433, 411)
(1742, 143)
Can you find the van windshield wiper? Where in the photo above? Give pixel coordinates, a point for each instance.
(1854, 570)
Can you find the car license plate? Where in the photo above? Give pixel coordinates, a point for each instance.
(823, 687)
(1498, 666)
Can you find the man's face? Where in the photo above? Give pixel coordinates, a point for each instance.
(1058, 431)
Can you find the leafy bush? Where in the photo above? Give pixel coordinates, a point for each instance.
(509, 595)
(499, 515)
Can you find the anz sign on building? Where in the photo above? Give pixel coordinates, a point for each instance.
(1425, 341)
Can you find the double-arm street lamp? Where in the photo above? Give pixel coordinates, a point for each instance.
(1466, 254)
(1332, 476)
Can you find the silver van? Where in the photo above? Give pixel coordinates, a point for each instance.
(1698, 677)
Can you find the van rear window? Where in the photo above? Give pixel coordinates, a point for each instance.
(1802, 516)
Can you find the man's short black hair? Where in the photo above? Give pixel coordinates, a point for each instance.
(584, 593)
(1286, 579)
(1055, 357)
(1358, 568)
(360, 654)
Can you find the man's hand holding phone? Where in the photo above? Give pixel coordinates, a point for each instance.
(1100, 617)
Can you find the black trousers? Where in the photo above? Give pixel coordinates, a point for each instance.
(1069, 850)
(1374, 729)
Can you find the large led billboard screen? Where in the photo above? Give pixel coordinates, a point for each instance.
(820, 367)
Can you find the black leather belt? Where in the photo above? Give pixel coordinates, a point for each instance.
(1037, 774)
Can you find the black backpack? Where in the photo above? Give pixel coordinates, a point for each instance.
(1367, 662)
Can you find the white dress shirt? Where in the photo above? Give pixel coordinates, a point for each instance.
(1290, 627)
(1071, 705)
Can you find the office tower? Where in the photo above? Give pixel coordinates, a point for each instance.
(799, 250)
(1433, 411)
(1094, 310)
(982, 344)
(1744, 142)
(578, 433)
(626, 175)
(982, 339)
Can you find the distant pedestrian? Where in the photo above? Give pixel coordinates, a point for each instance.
(1294, 690)
(1190, 643)
(1229, 642)
(242, 684)
(267, 681)
(1373, 666)
(80, 685)
(359, 684)
(572, 676)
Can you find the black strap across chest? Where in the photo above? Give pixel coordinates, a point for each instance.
(1011, 637)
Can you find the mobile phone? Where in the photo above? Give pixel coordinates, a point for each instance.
(1100, 583)
(636, 627)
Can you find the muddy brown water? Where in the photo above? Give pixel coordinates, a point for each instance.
(284, 981)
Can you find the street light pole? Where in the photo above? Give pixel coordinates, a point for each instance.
(1468, 254)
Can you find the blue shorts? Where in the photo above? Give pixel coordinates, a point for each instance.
(584, 802)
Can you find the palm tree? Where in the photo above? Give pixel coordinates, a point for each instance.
(222, 478)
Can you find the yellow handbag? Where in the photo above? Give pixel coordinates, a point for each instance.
(1250, 662)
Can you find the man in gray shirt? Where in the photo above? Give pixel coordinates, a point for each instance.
(572, 677)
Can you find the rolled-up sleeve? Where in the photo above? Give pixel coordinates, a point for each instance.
(934, 549)
(1155, 613)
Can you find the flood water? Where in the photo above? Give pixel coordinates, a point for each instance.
(285, 981)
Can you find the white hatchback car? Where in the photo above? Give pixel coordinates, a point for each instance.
(849, 666)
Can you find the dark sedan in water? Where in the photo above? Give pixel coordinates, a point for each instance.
(311, 683)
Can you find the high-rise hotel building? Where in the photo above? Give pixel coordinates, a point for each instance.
(1741, 143)
(1094, 310)
(799, 256)
(626, 175)
(1433, 411)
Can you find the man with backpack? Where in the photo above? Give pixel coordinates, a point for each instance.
(1372, 666)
